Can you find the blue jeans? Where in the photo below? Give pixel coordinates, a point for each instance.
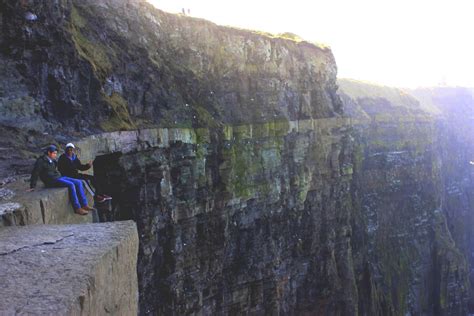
(76, 190)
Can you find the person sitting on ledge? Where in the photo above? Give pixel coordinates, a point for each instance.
(46, 169)
(69, 165)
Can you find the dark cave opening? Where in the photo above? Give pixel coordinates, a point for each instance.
(108, 175)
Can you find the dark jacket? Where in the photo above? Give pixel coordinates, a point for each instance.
(69, 167)
(47, 171)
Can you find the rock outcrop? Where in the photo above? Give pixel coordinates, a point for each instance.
(43, 206)
(86, 65)
(69, 269)
(85, 69)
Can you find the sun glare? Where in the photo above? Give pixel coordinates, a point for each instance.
(402, 43)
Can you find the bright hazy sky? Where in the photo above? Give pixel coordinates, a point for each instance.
(406, 43)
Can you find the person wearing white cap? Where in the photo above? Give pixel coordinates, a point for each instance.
(69, 165)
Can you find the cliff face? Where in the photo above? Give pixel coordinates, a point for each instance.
(253, 218)
(414, 262)
(252, 192)
(455, 107)
(310, 216)
(132, 65)
(81, 67)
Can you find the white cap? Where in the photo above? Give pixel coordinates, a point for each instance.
(70, 145)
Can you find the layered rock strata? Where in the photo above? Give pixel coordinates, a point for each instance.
(120, 64)
(414, 260)
(359, 197)
(455, 146)
(242, 218)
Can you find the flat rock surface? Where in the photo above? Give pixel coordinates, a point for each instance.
(42, 206)
(62, 269)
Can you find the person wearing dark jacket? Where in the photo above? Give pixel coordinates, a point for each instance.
(46, 169)
(69, 165)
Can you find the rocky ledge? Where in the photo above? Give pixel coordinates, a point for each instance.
(42, 206)
(69, 269)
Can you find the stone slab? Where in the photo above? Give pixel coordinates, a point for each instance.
(87, 269)
(42, 206)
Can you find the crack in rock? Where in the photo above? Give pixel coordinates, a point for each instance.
(10, 248)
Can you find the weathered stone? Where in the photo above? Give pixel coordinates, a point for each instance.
(6, 194)
(17, 108)
(8, 208)
(42, 206)
(69, 269)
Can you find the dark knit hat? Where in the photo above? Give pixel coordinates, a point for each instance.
(51, 148)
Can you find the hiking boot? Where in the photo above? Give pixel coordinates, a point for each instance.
(88, 208)
(81, 211)
(99, 199)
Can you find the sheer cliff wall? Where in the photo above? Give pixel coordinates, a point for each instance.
(252, 218)
(456, 149)
(120, 64)
(381, 242)
(405, 158)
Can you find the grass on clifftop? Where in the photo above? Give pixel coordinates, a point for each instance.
(289, 36)
(360, 89)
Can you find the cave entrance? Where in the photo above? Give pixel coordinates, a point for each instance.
(109, 177)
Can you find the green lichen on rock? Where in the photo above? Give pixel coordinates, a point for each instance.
(251, 151)
(204, 118)
(203, 135)
(120, 116)
(271, 129)
(100, 57)
(241, 165)
(94, 52)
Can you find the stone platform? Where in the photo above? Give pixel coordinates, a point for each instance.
(42, 206)
(69, 269)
